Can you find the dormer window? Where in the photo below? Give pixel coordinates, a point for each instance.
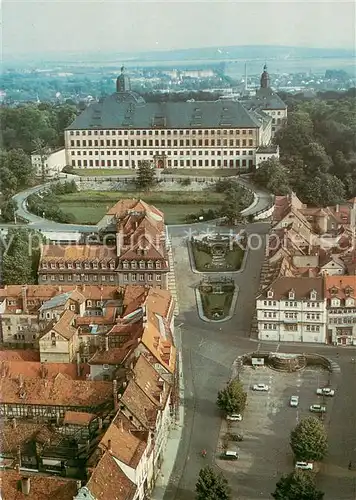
(103, 265)
(125, 265)
(70, 266)
(133, 264)
(270, 294)
(53, 265)
(142, 264)
(88, 303)
(291, 294)
(150, 264)
(333, 290)
(112, 265)
(61, 265)
(44, 265)
(86, 265)
(313, 295)
(77, 265)
(348, 290)
(95, 265)
(158, 265)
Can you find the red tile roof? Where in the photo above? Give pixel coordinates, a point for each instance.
(41, 487)
(36, 369)
(19, 355)
(78, 418)
(60, 391)
(108, 482)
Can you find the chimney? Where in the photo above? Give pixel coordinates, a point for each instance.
(100, 423)
(78, 364)
(24, 298)
(19, 456)
(109, 445)
(14, 423)
(337, 208)
(25, 485)
(114, 390)
(121, 425)
(83, 287)
(106, 343)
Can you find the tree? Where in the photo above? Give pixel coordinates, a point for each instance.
(309, 440)
(323, 190)
(295, 134)
(232, 399)
(16, 171)
(298, 485)
(43, 151)
(212, 485)
(146, 176)
(7, 210)
(20, 256)
(272, 175)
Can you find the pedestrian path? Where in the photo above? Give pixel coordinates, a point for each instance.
(172, 279)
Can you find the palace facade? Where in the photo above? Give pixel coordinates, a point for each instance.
(122, 129)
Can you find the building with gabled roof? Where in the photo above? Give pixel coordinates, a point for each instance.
(126, 130)
(292, 309)
(134, 250)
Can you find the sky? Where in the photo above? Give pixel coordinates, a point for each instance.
(31, 27)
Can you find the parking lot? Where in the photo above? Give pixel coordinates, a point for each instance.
(265, 453)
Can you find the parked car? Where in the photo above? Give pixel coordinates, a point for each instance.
(234, 417)
(229, 455)
(236, 437)
(325, 391)
(294, 401)
(260, 387)
(317, 408)
(304, 465)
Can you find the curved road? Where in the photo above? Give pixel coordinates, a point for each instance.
(261, 202)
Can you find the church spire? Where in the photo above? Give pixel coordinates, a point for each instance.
(123, 81)
(265, 80)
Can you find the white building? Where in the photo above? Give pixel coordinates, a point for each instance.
(123, 129)
(264, 153)
(53, 164)
(292, 310)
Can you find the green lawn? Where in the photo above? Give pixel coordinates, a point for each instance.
(88, 207)
(214, 301)
(98, 172)
(203, 172)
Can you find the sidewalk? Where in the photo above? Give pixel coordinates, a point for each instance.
(175, 434)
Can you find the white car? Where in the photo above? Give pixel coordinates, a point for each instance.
(260, 387)
(294, 401)
(317, 408)
(304, 465)
(234, 417)
(325, 391)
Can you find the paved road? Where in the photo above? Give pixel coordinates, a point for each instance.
(36, 222)
(208, 354)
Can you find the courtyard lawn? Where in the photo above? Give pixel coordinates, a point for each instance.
(203, 172)
(216, 301)
(88, 207)
(98, 172)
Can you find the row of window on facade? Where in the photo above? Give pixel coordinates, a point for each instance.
(291, 304)
(159, 143)
(274, 314)
(170, 163)
(291, 328)
(176, 152)
(103, 265)
(192, 131)
(95, 277)
(291, 295)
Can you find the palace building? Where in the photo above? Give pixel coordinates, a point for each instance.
(122, 129)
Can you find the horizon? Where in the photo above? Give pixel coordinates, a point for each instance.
(157, 27)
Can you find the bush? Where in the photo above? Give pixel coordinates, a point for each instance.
(68, 169)
(185, 182)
